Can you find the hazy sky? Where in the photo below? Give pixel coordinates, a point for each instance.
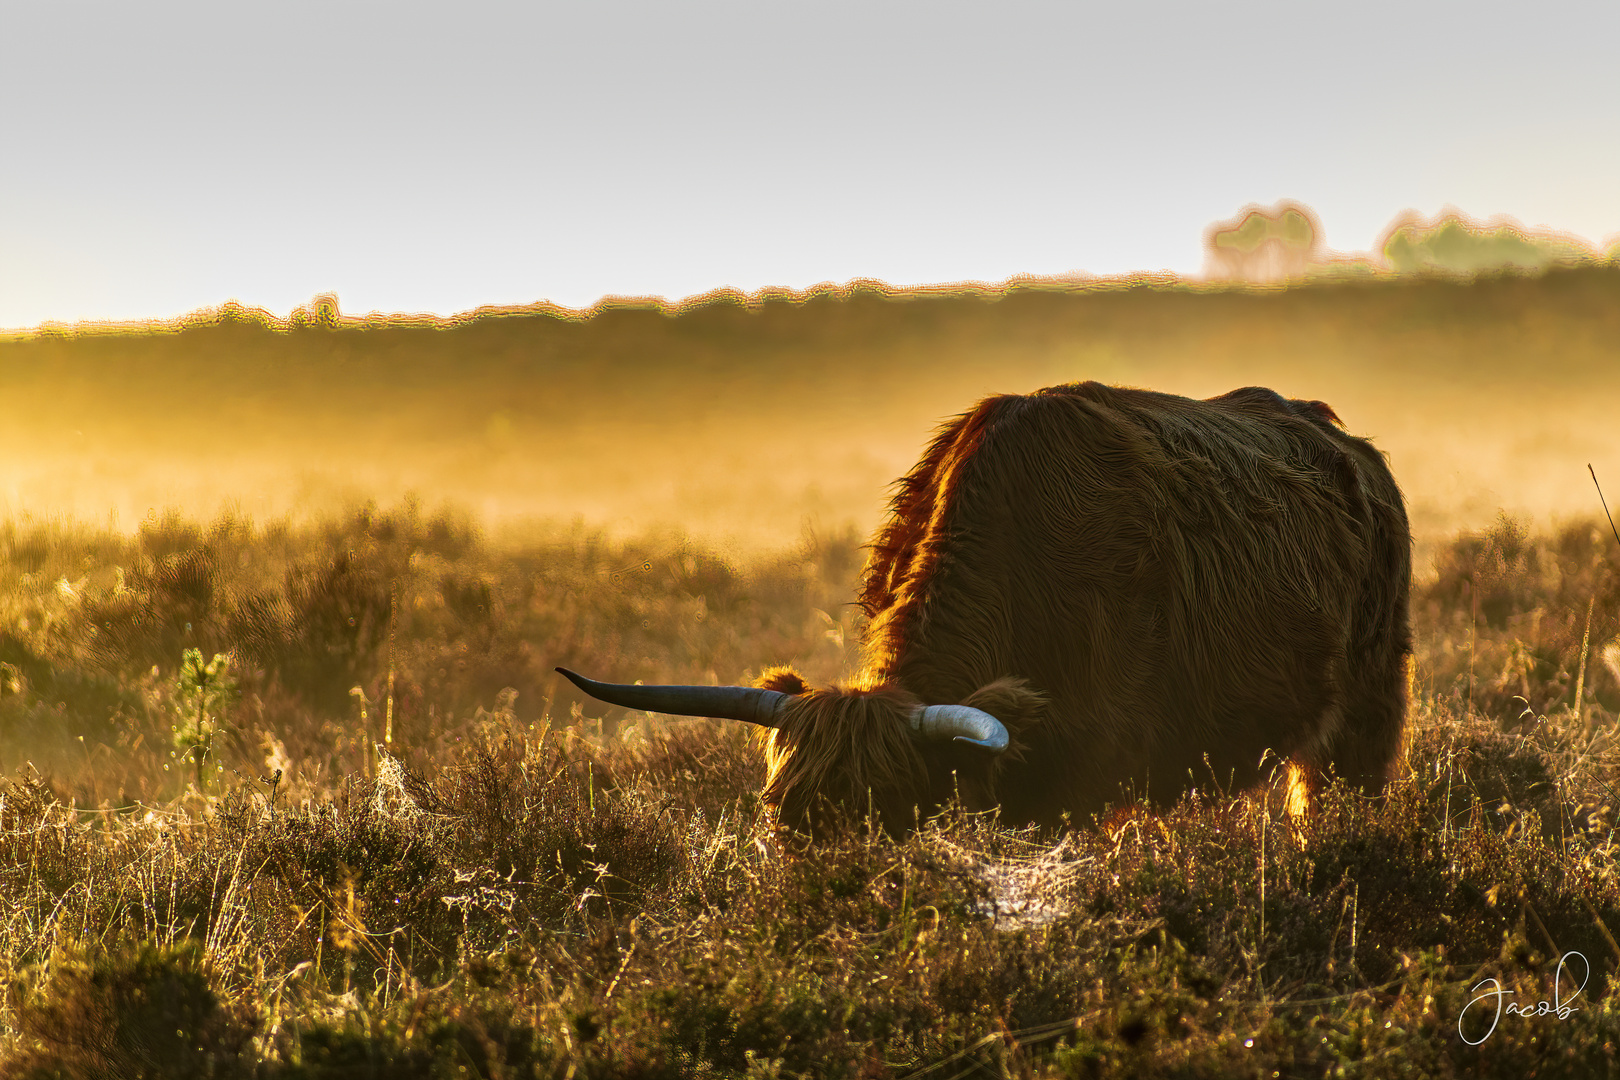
(160, 157)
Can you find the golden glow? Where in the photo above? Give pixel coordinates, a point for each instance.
(753, 417)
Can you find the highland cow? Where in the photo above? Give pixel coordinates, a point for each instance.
(1090, 595)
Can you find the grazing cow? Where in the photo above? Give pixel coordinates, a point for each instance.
(1090, 594)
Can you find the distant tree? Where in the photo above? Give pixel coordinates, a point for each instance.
(1264, 243)
(322, 311)
(1454, 242)
(232, 312)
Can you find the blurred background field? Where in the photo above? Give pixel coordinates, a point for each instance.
(740, 419)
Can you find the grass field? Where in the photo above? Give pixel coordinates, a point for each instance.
(508, 888)
(297, 795)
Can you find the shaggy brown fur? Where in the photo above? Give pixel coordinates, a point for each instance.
(853, 748)
(1149, 591)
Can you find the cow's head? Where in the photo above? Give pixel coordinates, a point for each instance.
(853, 752)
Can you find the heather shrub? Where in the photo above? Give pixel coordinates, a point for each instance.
(517, 885)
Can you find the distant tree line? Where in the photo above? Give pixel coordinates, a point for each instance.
(1284, 242)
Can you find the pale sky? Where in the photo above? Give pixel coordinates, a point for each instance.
(157, 158)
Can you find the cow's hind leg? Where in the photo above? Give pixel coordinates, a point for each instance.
(1363, 748)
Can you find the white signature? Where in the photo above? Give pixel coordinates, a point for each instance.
(1558, 1006)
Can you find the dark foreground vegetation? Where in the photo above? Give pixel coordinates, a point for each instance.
(209, 867)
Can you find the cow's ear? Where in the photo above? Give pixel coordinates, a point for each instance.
(784, 680)
(1014, 703)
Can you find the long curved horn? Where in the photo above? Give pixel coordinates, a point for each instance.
(747, 703)
(963, 723)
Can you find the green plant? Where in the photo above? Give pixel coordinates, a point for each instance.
(203, 692)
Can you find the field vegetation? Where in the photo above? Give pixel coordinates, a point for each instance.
(741, 417)
(302, 799)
